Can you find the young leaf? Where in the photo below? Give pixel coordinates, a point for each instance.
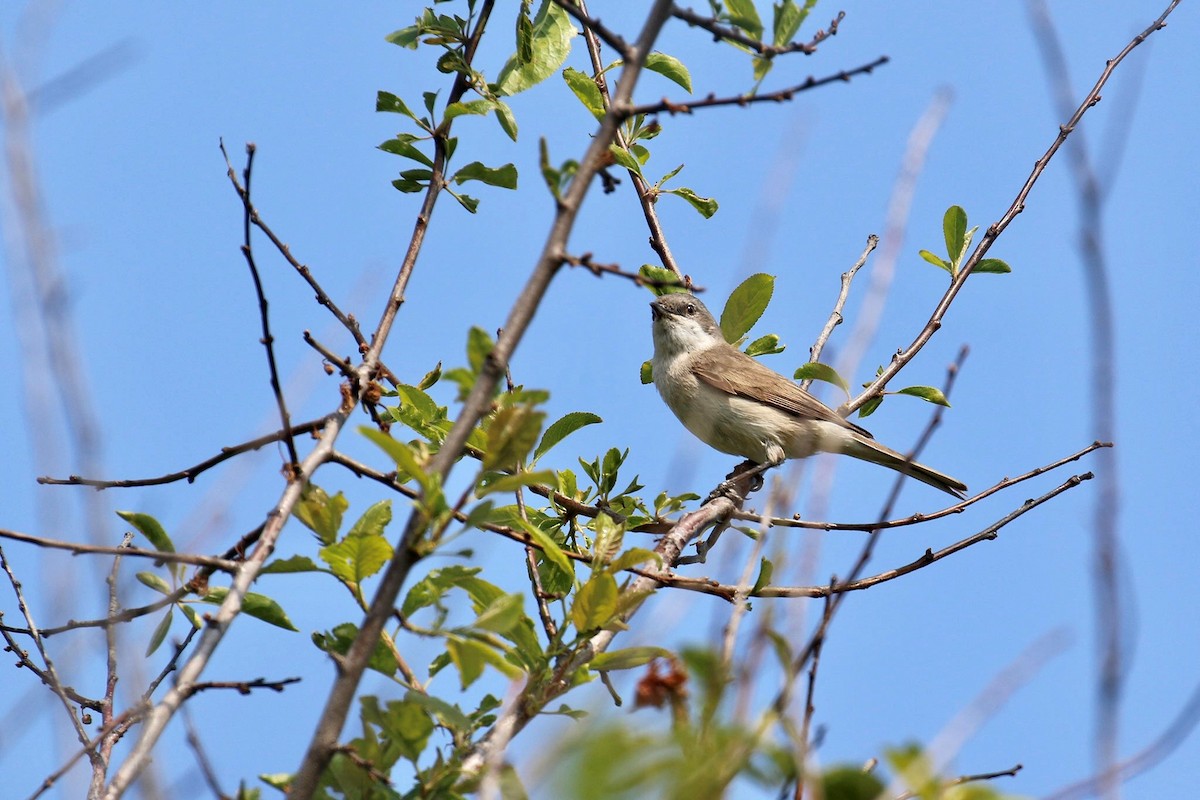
(479, 344)
(373, 520)
(149, 527)
(670, 68)
(356, 558)
(256, 605)
(625, 159)
(954, 228)
(661, 280)
(993, 266)
(476, 107)
(868, 408)
(743, 14)
(765, 346)
(586, 90)
(510, 483)
(291, 564)
(705, 205)
(431, 377)
(595, 602)
(501, 615)
(160, 631)
(321, 513)
(632, 557)
(504, 176)
(646, 373)
(402, 145)
(629, 658)
(550, 44)
(508, 123)
(927, 393)
(814, 371)
(936, 260)
(511, 434)
(562, 428)
(745, 305)
(550, 548)
(154, 582)
(765, 569)
(386, 101)
(788, 19)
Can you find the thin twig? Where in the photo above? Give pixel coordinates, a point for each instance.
(915, 519)
(268, 341)
(743, 100)
(192, 472)
(835, 316)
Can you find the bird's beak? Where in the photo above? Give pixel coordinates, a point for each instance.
(654, 311)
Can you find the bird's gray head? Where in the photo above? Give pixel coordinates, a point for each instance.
(683, 324)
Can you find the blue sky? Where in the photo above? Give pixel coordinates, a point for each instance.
(148, 232)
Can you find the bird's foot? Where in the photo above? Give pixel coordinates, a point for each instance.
(745, 478)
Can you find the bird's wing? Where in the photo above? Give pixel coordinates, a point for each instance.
(735, 373)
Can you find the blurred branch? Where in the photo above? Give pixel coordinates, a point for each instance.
(1106, 556)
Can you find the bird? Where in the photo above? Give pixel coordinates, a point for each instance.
(735, 404)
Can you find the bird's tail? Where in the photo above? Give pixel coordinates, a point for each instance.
(871, 450)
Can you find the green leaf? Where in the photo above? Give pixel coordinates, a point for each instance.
(868, 408)
(595, 602)
(992, 266)
(647, 373)
(471, 656)
(403, 145)
(287, 565)
(466, 201)
(954, 227)
(430, 378)
(447, 713)
(505, 177)
(815, 371)
(586, 90)
(356, 558)
(508, 123)
(256, 605)
(339, 640)
(936, 260)
(149, 527)
(386, 101)
(705, 205)
(374, 520)
(160, 631)
(524, 36)
(745, 305)
(788, 19)
(550, 548)
(476, 107)
(479, 344)
(502, 615)
(154, 582)
(632, 557)
(765, 346)
(405, 37)
(671, 68)
(850, 783)
(406, 725)
(628, 658)
(401, 454)
(321, 513)
(743, 14)
(510, 483)
(562, 428)
(928, 393)
(550, 43)
(660, 280)
(765, 569)
(625, 159)
(511, 434)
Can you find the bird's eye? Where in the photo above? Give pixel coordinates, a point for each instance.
(691, 309)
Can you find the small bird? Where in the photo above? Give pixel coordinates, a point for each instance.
(733, 403)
